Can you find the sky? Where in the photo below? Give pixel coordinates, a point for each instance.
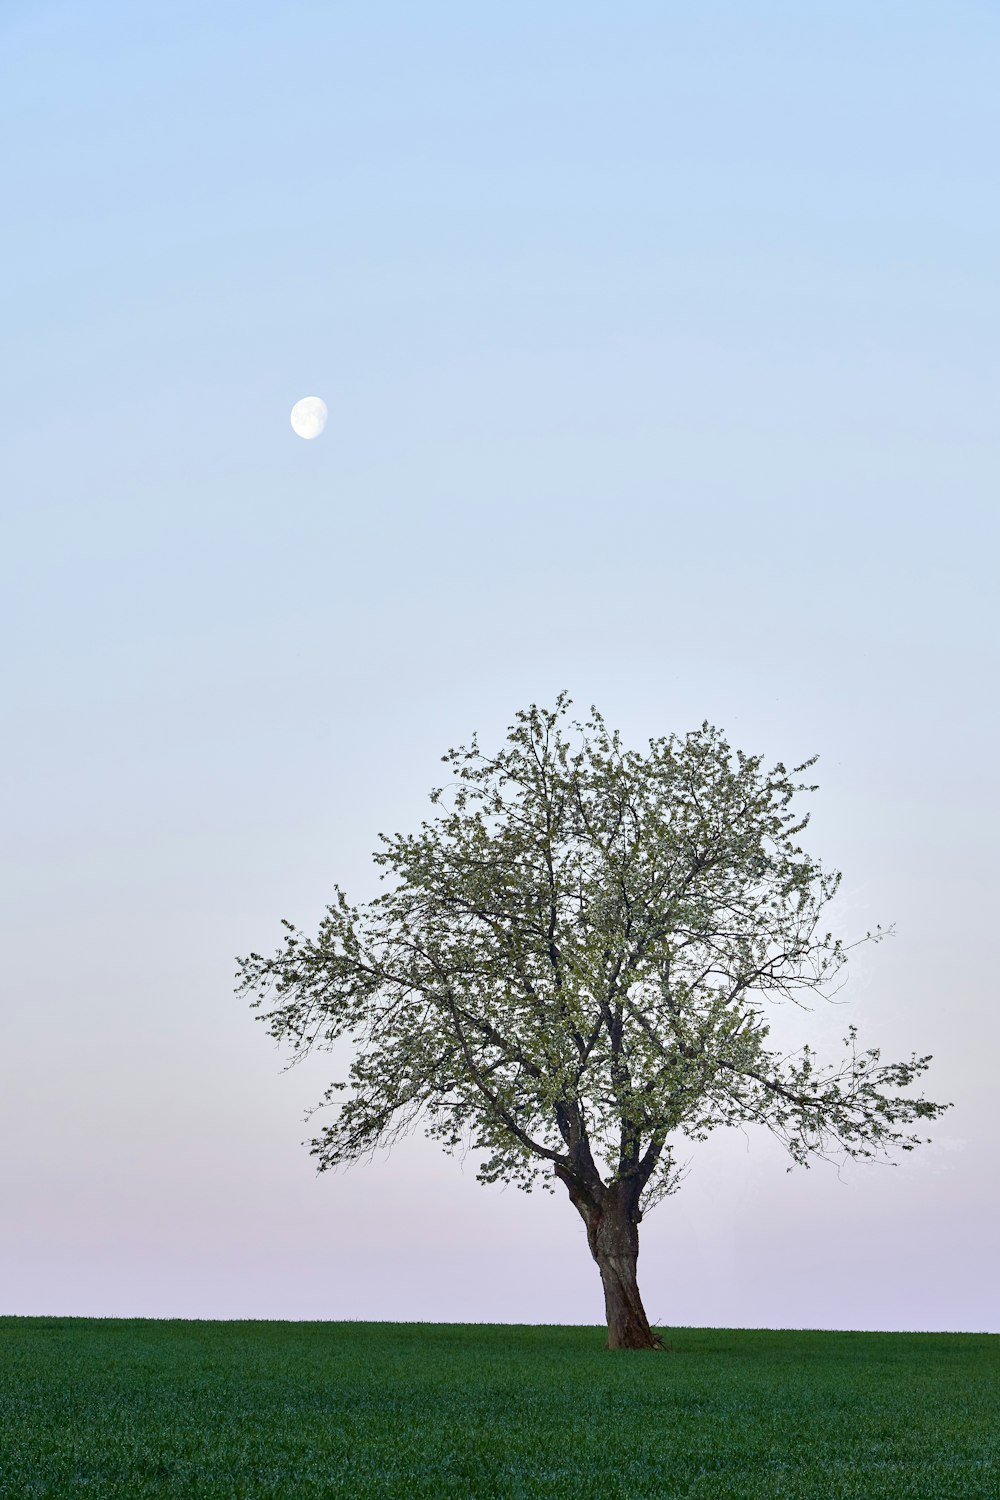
(661, 346)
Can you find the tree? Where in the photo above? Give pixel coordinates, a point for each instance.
(574, 968)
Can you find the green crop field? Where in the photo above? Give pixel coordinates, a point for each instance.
(132, 1408)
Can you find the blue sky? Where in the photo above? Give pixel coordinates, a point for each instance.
(661, 348)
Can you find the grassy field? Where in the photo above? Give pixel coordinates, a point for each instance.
(103, 1408)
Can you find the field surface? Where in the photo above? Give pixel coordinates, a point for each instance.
(108, 1408)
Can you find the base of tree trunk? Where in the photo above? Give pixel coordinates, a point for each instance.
(653, 1342)
(617, 1244)
(628, 1327)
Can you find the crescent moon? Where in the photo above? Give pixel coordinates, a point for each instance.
(309, 416)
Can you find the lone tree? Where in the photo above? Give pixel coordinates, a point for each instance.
(574, 965)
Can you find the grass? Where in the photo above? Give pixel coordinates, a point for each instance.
(135, 1408)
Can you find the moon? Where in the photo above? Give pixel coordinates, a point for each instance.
(309, 416)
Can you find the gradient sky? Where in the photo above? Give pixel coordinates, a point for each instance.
(661, 345)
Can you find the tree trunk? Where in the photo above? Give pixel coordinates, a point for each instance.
(612, 1221)
(617, 1251)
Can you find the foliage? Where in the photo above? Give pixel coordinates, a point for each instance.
(578, 957)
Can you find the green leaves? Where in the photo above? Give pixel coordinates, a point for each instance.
(585, 934)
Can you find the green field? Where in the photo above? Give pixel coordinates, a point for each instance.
(136, 1408)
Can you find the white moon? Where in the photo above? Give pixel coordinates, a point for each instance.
(309, 416)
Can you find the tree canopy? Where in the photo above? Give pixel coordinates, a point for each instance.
(573, 971)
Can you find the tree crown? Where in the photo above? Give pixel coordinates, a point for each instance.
(574, 966)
